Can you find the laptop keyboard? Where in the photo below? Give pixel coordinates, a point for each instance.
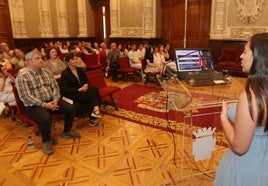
(203, 75)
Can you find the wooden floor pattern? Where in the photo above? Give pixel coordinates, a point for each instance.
(118, 153)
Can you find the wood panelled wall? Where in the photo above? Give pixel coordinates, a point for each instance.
(197, 27)
(5, 24)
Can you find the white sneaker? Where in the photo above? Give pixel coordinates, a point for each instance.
(2, 108)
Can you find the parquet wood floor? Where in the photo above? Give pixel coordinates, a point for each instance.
(118, 153)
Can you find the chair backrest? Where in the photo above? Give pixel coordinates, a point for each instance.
(124, 62)
(62, 56)
(19, 103)
(96, 78)
(143, 64)
(91, 59)
(102, 58)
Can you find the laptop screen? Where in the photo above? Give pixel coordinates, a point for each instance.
(193, 59)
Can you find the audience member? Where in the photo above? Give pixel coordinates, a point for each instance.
(96, 47)
(5, 62)
(6, 93)
(167, 52)
(127, 48)
(121, 51)
(8, 54)
(151, 66)
(18, 60)
(64, 48)
(112, 61)
(88, 49)
(53, 63)
(80, 62)
(245, 123)
(75, 87)
(141, 52)
(133, 56)
(40, 95)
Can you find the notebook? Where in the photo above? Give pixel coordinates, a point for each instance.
(195, 66)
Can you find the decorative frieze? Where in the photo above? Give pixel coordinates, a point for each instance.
(131, 32)
(245, 33)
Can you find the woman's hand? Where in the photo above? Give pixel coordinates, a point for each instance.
(224, 110)
(83, 88)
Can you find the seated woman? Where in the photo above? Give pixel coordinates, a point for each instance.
(18, 60)
(53, 63)
(151, 66)
(74, 86)
(6, 93)
(80, 62)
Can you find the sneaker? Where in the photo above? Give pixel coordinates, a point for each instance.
(47, 148)
(94, 123)
(96, 114)
(70, 134)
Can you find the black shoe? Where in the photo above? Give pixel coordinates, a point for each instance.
(70, 134)
(94, 123)
(47, 148)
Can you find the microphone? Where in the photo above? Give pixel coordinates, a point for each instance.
(194, 51)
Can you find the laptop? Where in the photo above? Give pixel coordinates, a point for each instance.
(196, 68)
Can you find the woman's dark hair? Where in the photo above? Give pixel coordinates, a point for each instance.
(48, 52)
(1, 68)
(257, 80)
(69, 56)
(149, 54)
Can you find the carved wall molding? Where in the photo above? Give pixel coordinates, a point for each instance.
(45, 26)
(249, 10)
(17, 15)
(227, 23)
(146, 30)
(62, 18)
(82, 21)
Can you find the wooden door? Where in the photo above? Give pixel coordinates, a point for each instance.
(198, 23)
(98, 20)
(6, 34)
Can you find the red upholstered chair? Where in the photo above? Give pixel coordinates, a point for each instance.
(147, 74)
(96, 78)
(25, 118)
(91, 62)
(125, 68)
(230, 61)
(62, 56)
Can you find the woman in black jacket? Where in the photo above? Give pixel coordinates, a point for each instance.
(75, 87)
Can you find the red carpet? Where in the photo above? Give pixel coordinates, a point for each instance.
(147, 105)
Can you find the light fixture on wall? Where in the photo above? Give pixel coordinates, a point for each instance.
(249, 11)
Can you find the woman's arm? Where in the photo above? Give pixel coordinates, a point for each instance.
(240, 133)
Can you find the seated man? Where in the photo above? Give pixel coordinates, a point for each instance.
(133, 56)
(39, 93)
(112, 61)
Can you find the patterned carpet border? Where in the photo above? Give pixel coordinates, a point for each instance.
(161, 124)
